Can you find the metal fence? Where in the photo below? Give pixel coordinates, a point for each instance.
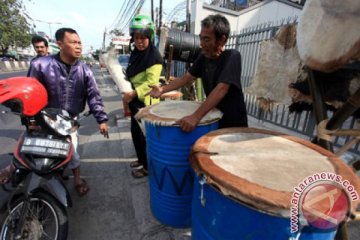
(248, 43)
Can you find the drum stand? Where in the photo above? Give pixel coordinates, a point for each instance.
(168, 63)
(328, 128)
(190, 91)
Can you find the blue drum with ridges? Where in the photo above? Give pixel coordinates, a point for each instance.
(168, 147)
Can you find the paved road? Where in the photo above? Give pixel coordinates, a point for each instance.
(117, 206)
(12, 74)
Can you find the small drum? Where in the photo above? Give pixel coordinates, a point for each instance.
(245, 183)
(168, 148)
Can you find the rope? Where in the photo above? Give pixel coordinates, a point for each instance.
(324, 133)
(347, 146)
(327, 135)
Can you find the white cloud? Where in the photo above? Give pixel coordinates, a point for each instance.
(79, 19)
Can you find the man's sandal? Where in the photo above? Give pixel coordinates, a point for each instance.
(5, 174)
(139, 173)
(135, 164)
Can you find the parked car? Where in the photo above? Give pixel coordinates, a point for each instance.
(124, 60)
(25, 58)
(7, 58)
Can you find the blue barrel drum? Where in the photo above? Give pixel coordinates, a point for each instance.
(168, 148)
(245, 187)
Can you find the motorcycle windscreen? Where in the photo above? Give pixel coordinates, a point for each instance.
(23, 95)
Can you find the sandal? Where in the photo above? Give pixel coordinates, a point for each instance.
(139, 173)
(82, 188)
(5, 174)
(135, 164)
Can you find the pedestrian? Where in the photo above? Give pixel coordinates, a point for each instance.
(144, 69)
(70, 84)
(220, 71)
(41, 46)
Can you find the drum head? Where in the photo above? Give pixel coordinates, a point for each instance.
(168, 112)
(171, 95)
(261, 168)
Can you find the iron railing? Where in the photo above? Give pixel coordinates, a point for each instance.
(248, 43)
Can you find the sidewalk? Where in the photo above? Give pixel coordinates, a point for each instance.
(117, 206)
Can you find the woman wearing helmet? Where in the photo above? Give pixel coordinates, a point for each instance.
(144, 69)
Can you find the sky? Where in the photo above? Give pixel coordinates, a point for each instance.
(88, 17)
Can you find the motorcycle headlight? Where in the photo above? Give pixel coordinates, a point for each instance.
(60, 122)
(43, 164)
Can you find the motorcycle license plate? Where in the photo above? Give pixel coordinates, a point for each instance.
(45, 147)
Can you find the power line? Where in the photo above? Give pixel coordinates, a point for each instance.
(118, 15)
(136, 10)
(177, 13)
(123, 15)
(129, 10)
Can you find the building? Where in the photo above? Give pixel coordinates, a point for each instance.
(260, 13)
(121, 43)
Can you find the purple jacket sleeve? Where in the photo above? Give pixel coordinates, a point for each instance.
(94, 99)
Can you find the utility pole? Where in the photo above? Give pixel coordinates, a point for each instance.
(156, 16)
(152, 10)
(50, 23)
(188, 15)
(160, 14)
(103, 45)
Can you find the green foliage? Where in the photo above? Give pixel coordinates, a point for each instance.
(96, 54)
(14, 25)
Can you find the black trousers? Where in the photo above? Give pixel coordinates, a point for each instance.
(136, 133)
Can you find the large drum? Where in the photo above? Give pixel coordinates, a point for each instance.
(245, 186)
(168, 148)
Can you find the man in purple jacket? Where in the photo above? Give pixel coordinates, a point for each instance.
(70, 84)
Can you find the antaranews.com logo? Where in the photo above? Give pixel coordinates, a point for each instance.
(322, 200)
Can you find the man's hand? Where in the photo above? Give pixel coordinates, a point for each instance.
(188, 123)
(104, 129)
(155, 91)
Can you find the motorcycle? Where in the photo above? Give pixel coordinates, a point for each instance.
(37, 205)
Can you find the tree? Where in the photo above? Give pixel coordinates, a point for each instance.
(14, 25)
(96, 54)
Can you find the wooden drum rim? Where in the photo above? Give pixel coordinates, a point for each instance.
(262, 198)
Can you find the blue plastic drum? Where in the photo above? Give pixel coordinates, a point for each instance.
(168, 147)
(245, 186)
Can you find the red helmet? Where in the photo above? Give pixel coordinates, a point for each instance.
(24, 95)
